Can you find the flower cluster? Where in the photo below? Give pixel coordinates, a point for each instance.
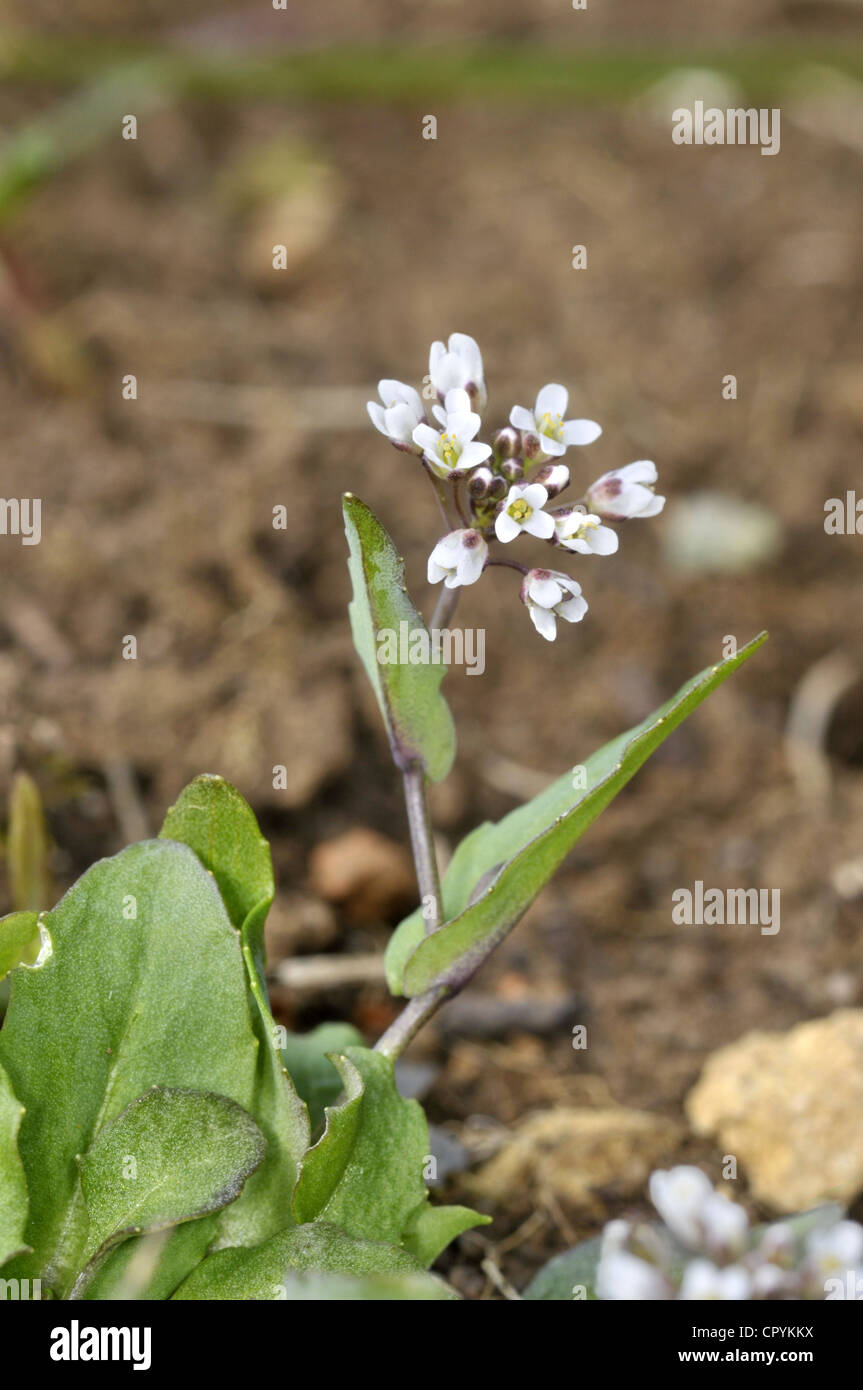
(496, 492)
(705, 1249)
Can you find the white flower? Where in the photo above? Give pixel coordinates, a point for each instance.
(550, 595)
(837, 1249)
(626, 492)
(522, 511)
(401, 412)
(680, 1195)
(770, 1281)
(702, 1280)
(586, 534)
(546, 420)
(725, 1225)
(622, 1275)
(458, 364)
(457, 559)
(452, 449)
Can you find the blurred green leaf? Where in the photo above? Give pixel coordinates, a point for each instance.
(20, 940)
(573, 1270)
(28, 848)
(267, 1271)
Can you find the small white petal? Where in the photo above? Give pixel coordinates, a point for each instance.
(534, 495)
(581, 431)
(643, 471)
(376, 414)
(473, 454)
(457, 402)
(427, 438)
(653, 507)
(541, 525)
(573, 610)
(506, 528)
(521, 418)
(545, 592)
(552, 400)
(464, 426)
(604, 541)
(544, 621)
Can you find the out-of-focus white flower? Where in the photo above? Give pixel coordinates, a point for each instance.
(585, 533)
(522, 511)
(457, 559)
(680, 1195)
(626, 492)
(725, 1225)
(546, 420)
(625, 1276)
(837, 1249)
(453, 449)
(458, 364)
(398, 416)
(769, 1281)
(549, 595)
(702, 1280)
(622, 1275)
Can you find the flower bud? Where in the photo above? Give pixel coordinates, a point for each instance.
(512, 470)
(498, 489)
(480, 481)
(553, 476)
(531, 445)
(507, 443)
(626, 492)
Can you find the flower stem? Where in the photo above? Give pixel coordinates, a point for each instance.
(411, 1019)
(422, 844)
(444, 608)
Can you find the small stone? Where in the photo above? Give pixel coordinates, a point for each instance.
(575, 1153)
(789, 1107)
(367, 875)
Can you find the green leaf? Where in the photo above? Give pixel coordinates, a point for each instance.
(417, 717)
(171, 1156)
(20, 940)
(145, 986)
(431, 1229)
(365, 1174)
(214, 820)
(313, 1074)
(13, 1184)
(260, 1273)
(573, 1270)
(518, 855)
(28, 849)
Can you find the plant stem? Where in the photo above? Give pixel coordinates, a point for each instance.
(419, 1010)
(422, 844)
(444, 608)
(411, 1019)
